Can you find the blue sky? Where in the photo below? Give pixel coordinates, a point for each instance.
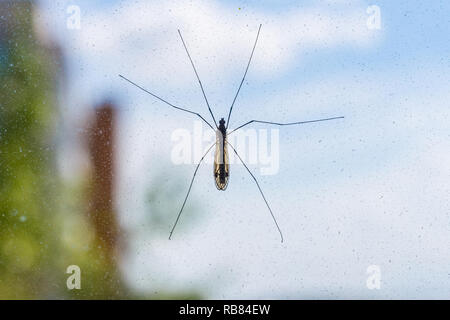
(369, 190)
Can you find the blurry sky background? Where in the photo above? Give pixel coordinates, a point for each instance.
(371, 189)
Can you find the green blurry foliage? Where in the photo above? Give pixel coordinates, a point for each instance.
(43, 225)
(27, 183)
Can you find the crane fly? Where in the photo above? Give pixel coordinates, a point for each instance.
(221, 164)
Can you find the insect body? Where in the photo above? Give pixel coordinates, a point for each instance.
(221, 164)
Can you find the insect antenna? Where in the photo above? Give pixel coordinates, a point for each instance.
(161, 99)
(189, 191)
(284, 124)
(243, 78)
(257, 184)
(198, 78)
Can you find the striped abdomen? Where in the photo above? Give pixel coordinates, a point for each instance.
(221, 164)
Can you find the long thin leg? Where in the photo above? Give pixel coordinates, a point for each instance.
(284, 124)
(189, 190)
(257, 184)
(243, 78)
(198, 78)
(161, 99)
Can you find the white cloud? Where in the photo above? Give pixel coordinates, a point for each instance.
(140, 38)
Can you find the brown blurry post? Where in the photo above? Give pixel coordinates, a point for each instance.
(101, 148)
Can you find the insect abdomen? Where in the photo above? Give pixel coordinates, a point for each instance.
(221, 165)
